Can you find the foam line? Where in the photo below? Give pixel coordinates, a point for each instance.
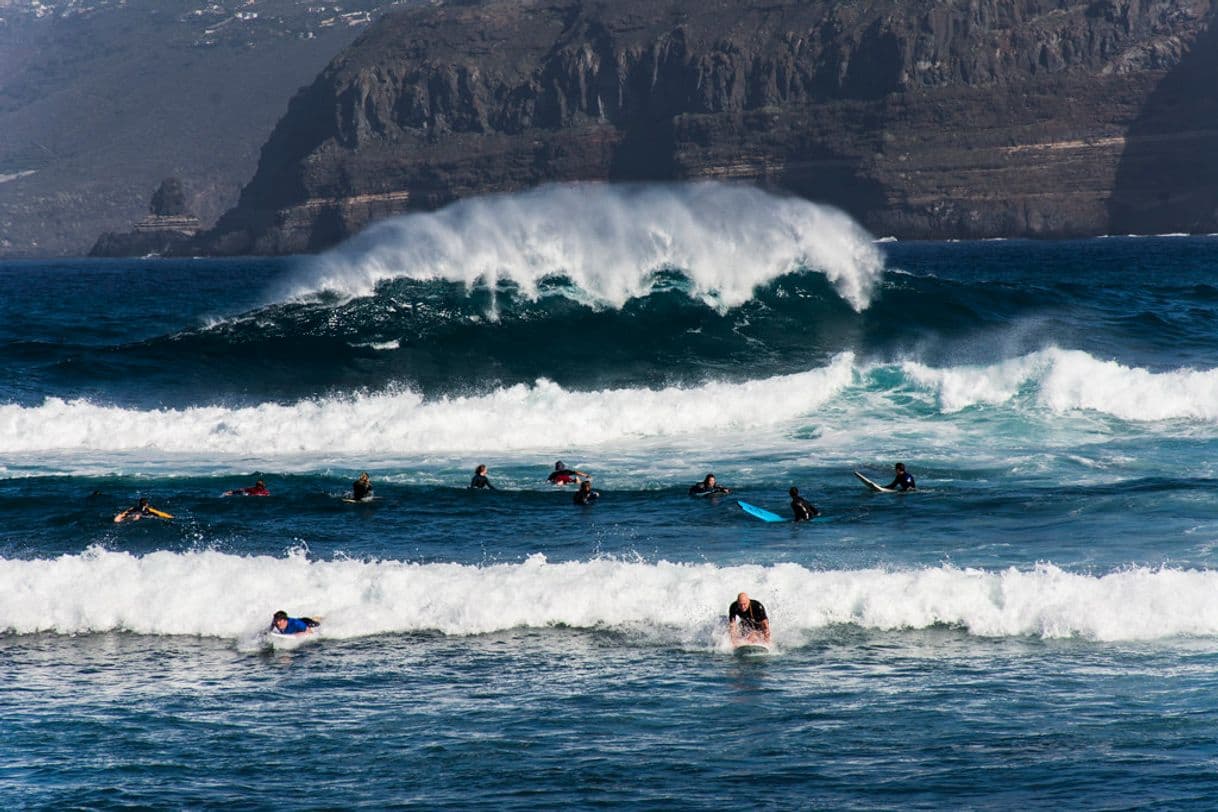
(228, 596)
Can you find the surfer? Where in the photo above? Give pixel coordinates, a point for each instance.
(707, 487)
(562, 475)
(754, 624)
(361, 488)
(257, 489)
(803, 509)
(904, 480)
(137, 512)
(282, 624)
(480, 480)
(585, 495)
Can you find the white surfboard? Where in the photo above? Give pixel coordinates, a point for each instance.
(287, 642)
(751, 650)
(873, 487)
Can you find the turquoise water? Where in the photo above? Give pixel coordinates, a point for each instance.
(1036, 626)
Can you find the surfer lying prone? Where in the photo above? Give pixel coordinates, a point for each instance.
(282, 624)
(707, 487)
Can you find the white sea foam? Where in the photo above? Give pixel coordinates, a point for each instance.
(609, 240)
(1066, 380)
(540, 416)
(849, 409)
(227, 596)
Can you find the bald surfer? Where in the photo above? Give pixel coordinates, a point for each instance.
(747, 622)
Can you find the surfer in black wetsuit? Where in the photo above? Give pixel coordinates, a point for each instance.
(136, 512)
(904, 480)
(361, 488)
(803, 509)
(753, 625)
(480, 480)
(585, 495)
(562, 475)
(707, 487)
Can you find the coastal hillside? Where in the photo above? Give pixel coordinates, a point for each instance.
(1042, 118)
(101, 100)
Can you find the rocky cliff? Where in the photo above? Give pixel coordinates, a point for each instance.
(923, 118)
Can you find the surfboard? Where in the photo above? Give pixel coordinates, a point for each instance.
(760, 513)
(871, 486)
(751, 650)
(287, 642)
(710, 493)
(162, 514)
(363, 501)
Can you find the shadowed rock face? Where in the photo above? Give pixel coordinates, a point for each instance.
(922, 119)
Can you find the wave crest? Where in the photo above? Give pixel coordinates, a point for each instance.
(609, 241)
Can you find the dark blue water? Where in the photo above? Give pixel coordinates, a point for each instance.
(1036, 626)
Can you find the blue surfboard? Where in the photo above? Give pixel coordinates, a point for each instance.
(764, 515)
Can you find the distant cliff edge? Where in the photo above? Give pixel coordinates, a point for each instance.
(924, 119)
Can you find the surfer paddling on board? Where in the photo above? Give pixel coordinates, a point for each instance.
(257, 489)
(562, 475)
(904, 480)
(139, 511)
(361, 488)
(747, 622)
(804, 510)
(480, 480)
(707, 487)
(282, 624)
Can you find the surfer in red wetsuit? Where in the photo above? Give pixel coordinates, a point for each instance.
(257, 489)
(562, 475)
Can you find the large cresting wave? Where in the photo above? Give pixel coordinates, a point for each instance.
(609, 242)
(216, 594)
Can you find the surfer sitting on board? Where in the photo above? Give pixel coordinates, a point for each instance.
(904, 480)
(585, 495)
(707, 487)
(562, 475)
(480, 480)
(137, 512)
(361, 488)
(282, 624)
(257, 489)
(753, 626)
(803, 509)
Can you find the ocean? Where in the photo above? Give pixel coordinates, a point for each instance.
(1035, 627)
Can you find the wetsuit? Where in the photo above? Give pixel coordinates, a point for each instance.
(296, 625)
(702, 489)
(586, 497)
(480, 481)
(803, 509)
(903, 482)
(564, 477)
(750, 619)
(361, 490)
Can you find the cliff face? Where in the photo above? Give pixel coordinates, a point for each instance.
(965, 118)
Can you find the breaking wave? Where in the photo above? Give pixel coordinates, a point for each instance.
(229, 596)
(609, 242)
